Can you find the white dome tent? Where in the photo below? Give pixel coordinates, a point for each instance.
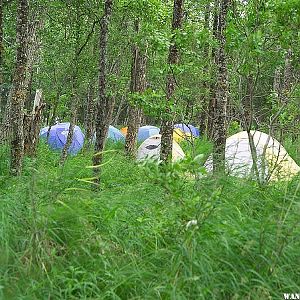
(150, 149)
(273, 161)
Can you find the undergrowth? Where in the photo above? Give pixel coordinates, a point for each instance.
(148, 234)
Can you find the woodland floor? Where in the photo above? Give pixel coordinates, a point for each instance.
(61, 240)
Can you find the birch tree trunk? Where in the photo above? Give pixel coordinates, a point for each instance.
(119, 110)
(32, 124)
(137, 85)
(247, 104)
(213, 85)
(219, 134)
(173, 59)
(1, 57)
(74, 105)
(105, 103)
(203, 115)
(33, 111)
(33, 51)
(1, 46)
(18, 94)
(6, 124)
(247, 122)
(287, 77)
(74, 95)
(90, 115)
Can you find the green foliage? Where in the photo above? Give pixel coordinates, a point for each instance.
(153, 232)
(138, 237)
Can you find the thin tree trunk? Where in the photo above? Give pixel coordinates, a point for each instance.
(6, 125)
(247, 104)
(33, 123)
(247, 121)
(126, 114)
(74, 106)
(53, 116)
(1, 56)
(32, 55)
(137, 85)
(219, 137)
(287, 77)
(213, 86)
(276, 82)
(18, 95)
(203, 115)
(90, 115)
(105, 103)
(33, 52)
(173, 59)
(32, 117)
(5, 120)
(74, 96)
(119, 110)
(1, 42)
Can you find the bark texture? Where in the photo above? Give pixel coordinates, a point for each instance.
(173, 59)
(32, 54)
(18, 94)
(90, 115)
(105, 103)
(119, 110)
(287, 77)
(1, 54)
(247, 104)
(221, 103)
(137, 85)
(74, 95)
(1, 44)
(74, 106)
(32, 124)
(213, 85)
(33, 51)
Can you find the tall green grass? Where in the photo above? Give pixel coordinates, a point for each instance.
(61, 240)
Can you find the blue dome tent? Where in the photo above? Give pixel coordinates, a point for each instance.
(115, 134)
(188, 128)
(58, 137)
(43, 132)
(147, 131)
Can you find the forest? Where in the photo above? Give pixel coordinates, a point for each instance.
(149, 149)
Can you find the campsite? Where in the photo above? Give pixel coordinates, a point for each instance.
(149, 149)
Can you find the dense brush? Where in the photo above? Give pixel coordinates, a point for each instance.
(142, 237)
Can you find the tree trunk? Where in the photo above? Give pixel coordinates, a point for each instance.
(247, 104)
(90, 115)
(33, 44)
(32, 124)
(6, 124)
(32, 116)
(212, 88)
(74, 96)
(74, 105)
(119, 110)
(219, 136)
(33, 52)
(203, 115)
(18, 95)
(1, 47)
(173, 59)
(276, 82)
(137, 85)
(105, 103)
(287, 77)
